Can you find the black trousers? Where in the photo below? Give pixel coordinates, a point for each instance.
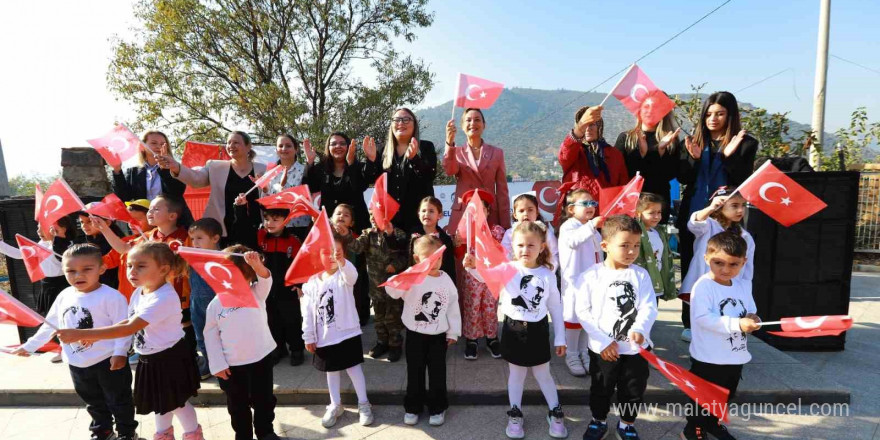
(250, 387)
(628, 374)
(425, 352)
(726, 376)
(686, 252)
(362, 291)
(107, 395)
(285, 324)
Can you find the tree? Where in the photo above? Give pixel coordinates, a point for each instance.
(23, 184)
(855, 141)
(199, 69)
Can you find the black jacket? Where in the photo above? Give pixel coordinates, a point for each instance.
(409, 181)
(131, 184)
(347, 189)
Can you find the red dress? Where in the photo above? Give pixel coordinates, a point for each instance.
(575, 169)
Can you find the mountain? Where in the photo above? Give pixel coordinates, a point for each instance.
(529, 124)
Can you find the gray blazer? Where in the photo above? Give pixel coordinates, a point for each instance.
(214, 173)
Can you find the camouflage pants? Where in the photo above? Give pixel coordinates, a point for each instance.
(387, 311)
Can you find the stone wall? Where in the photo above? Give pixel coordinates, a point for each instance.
(83, 169)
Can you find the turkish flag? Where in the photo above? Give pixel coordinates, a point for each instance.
(308, 260)
(13, 310)
(708, 395)
(812, 326)
(38, 201)
(117, 146)
(476, 92)
(59, 200)
(270, 173)
(33, 255)
(50, 347)
(641, 97)
(546, 191)
(488, 253)
(230, 286)
(197, 154)
(621, 200)
(112, 207)
(415, 274)
(297, 199)
(382, 205)
(778, 196)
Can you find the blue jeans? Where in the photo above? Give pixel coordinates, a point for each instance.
(201, 295)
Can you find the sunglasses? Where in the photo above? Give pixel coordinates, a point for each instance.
(586, 203)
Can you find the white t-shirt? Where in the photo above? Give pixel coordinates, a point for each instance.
(552, 245)
(580, 247)
(612, 303)
(431, 307)
(101, 307)
(703, 231)
(161, 310)
(657, 248)
(328, 308)
(236, 336)
(715, 313)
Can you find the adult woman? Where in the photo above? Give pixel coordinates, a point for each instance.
(228, 179)
(293, 174)
(588, 161)
(339, 177)
(148, 179)
(720, 153)
(476, 165)
(653, 151)
(411, 164)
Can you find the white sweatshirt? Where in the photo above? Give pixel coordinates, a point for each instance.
(530, 295)
(580, 246)
(328, 308)
(101, 307)
(703, 231)
(236, 336)
(431, 307)
(161, 310)
(715, 313)
(507, 243)
(612, 303)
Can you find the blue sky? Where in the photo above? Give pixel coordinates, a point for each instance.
(53, 93)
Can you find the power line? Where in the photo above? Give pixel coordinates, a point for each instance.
(856, 64)
(765, 79)
(615, 74)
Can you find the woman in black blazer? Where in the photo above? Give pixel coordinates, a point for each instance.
(720, 153)
(148, 180)
(411, 165)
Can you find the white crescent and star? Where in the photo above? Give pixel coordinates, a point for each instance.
(763, 192)
(804, 324)
(28, 252)
(211, 265)
(634, 89)
(467, 92)
(123, 151)
(58, 204)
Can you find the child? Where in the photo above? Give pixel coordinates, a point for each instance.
(725, 212)
(59, 237)
(580, 247)
(654, 253)
(331, 331)
(279, 245)
(615, 304)
(204, 233)
(723, 314)
(430, 213)
(526, 300)
(342, 221)
(240, 348)
(385, 255)
(477, 302)
(138, 210)
(525, 207)
(100, 372)
(93, 235)
(166, 375)
(433, 322)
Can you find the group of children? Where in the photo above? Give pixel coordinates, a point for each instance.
(599, 284)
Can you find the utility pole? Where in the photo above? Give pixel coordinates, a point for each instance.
(820, 82)
(4, 180)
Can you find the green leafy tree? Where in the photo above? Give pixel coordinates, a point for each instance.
(855, 140)
(23, 184)
(199, 69)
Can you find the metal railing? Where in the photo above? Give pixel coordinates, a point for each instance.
(868, 213)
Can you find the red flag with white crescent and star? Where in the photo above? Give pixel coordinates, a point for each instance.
(641, 97)
(33, 255)
(111, 207)
(308, 260)
(297, 199)
(12, 310)
(474, 92)
(416, 274)
(621, 200)
(118, 145)
(229, 284)
(812, 326)
(491, 258)
(708, 395)
(778, 196)
(382, 205)
(271, 172)
(59, 200)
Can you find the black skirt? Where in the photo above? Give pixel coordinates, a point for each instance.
(50, 287)
(341, 356)
(526, 344)
(164, 381)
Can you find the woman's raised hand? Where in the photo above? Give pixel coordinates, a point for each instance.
(734, 143)
(591, 115)
(694, 149)
(666, 140)
(370, 148)
(450, 132)
(413, 149)
(352, 152)
(166, 160)
(310, 152)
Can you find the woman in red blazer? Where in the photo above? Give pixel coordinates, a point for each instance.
(587, 160)
(476, 165)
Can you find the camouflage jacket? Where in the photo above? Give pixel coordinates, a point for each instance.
(379, 250)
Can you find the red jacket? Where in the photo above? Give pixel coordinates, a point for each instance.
(576, 169)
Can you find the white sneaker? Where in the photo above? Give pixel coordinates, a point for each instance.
(575, 367)
(410, 419)
(585, 360)
(686, 335)
(556, 422)
(437, 419)
(57, 359)
(365, 411)
(515, 423)
(332, 415)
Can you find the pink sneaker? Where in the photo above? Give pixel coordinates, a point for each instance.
(195, 435)
(167, 434)
(515, 423)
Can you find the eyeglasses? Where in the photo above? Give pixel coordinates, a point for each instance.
(403, 120)
(337, 144)
(586, 203)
